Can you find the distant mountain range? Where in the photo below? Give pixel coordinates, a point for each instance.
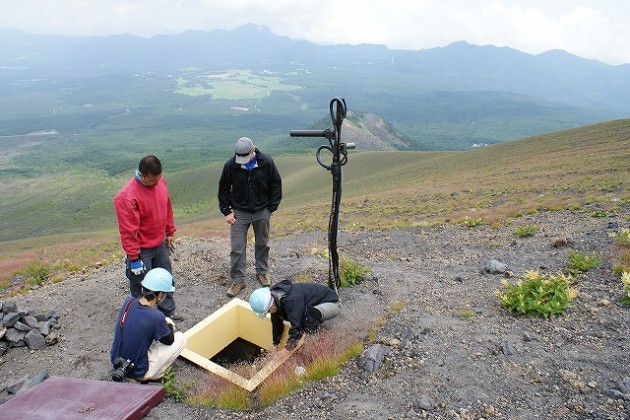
(441, 98)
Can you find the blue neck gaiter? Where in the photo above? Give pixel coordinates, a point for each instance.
(250, 165)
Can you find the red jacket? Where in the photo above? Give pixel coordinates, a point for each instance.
(145, 216)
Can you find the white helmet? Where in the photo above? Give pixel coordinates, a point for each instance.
(260, 300)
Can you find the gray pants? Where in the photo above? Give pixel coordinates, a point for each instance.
(329, 310)
(238, 238)
(152, 258)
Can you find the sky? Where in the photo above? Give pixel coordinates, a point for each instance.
(598, 29)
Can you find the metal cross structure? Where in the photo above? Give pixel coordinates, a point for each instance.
(339, 152)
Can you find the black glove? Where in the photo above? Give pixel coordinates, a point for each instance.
(295, 334)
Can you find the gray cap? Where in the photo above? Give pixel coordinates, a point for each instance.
(244, 146)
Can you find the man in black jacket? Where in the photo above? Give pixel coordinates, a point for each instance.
(303, 305)
(250, 189)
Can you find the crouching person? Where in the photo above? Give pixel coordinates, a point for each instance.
(304, 305)
(145, 341)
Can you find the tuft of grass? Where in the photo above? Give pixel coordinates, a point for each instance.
(580, 262)
(623, 263)
(467, 314)
(371, 334)
(396, 307)
(538, 295)
(233, 398)
(525, 231)
(623, 237)
(625, 279)
(277, 386)
(302, 278)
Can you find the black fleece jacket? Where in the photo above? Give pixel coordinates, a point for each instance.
(250, 190)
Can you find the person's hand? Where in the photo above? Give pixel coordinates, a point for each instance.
(291, 344)
(137, 267)
(170, 322)
(170, 244)
(230, 219)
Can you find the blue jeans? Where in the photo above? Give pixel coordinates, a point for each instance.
(152, 258)
(238, 237)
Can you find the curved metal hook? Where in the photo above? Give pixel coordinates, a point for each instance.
(337, 112)
(319, 149)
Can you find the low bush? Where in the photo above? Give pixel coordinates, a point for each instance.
(351, 273)
(538, 295)
(471, 223)
(580, 262)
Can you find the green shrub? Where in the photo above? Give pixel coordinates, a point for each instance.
(579, 262)
(351, 273)
(538, 295)
(35, 274)
(525, 231)
(171, 388)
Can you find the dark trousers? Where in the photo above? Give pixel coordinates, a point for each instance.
(152, 258)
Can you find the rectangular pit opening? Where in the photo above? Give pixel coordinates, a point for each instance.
(231, 332)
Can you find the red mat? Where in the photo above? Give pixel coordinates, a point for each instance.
(72, 398)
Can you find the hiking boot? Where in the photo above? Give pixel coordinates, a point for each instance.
(175, 316)
(263, 279)
(235, 289)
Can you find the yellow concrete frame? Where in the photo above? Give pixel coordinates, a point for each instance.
(233, 320)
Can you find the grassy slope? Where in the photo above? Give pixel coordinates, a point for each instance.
(381, 190)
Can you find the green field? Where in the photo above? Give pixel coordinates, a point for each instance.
(234, 85)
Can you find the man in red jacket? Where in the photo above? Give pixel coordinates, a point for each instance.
(145, 222)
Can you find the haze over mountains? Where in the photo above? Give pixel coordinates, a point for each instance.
(449, 98)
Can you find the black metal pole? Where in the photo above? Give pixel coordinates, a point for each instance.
(339, 158)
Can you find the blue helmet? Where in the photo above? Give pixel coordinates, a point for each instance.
(158, 280)
(260, 300)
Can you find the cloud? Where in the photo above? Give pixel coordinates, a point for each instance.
(587, 28)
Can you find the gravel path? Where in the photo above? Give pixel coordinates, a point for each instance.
(440, 364)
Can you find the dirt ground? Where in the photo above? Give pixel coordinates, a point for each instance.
(441, 364)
